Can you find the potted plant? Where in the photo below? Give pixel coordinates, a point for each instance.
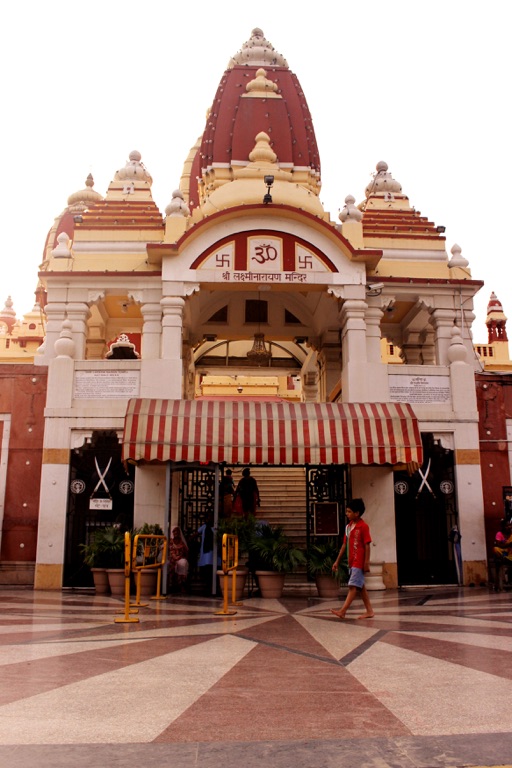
(321, 555)
(272, 548)
(93, 558)
(110, 543)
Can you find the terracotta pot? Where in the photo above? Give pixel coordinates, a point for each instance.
(271, 583)
(241, 578)
(116, 580)
(101, 584)
(147, 582)
(326, 585)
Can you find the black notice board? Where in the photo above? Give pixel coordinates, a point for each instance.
(327, 521)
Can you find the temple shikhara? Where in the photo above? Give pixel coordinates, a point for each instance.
(245, 325)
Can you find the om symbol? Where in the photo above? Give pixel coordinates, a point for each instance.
(264, 253)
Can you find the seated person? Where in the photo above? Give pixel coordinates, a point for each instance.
(502, 552)
(178, 559)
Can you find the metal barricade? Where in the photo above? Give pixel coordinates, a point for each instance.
(127, 619)
(229, 563)
(149, 553)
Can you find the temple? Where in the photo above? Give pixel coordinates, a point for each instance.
(245, 325)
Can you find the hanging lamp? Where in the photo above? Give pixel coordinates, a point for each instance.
(259, 354)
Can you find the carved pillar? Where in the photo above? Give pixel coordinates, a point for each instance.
(373, 317)
(172, 327)
(353, 350)
(151, 330)
(411, 347)
(78, 313)
(442, 321)
(55, 315)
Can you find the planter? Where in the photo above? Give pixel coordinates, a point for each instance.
(327, 586)
(101, 584)
(271, 583)
(374, 580)
(116, 580)
(241, 578)
(148, 578)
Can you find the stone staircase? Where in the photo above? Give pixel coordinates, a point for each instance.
(283, 502)
(283, 499)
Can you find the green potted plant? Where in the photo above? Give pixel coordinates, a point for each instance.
(110, 543)
(94, 559)
(321, 555)
(272, 548)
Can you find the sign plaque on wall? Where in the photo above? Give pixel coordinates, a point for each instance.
(106, 385)
(100, 504)
(419, 389)
(326, 518)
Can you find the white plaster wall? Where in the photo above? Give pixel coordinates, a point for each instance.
(471, 511)
(162, 379)
(149, 498)
(375, 486)
(52, 514)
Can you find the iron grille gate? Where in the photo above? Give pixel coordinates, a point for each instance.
(425, 513)
(96, 472)
(326, 483)
(196, 502)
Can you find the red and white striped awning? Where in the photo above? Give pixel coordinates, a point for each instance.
(257, 432)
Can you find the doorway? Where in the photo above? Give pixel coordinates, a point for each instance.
(425, 513)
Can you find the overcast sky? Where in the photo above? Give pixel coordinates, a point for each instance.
(425, 86)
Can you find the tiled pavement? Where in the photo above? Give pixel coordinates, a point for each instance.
(426, 683)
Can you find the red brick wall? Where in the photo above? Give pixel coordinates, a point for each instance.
(494, 397)
(23, 397)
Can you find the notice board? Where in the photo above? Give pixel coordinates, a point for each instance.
(326, 518)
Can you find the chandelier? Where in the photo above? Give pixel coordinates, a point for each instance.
(259, 354)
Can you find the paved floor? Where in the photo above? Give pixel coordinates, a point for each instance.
(427, 682)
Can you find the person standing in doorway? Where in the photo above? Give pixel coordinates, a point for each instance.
(206, 534)
(357, 538)
(247, 495)
(227, 489)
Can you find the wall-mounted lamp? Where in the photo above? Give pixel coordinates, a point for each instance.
(78, 219)
(269, 180)
(440, 229)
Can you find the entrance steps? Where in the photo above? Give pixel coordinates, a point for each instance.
(283, 499)
(283, 502)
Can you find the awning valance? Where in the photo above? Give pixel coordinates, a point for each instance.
(256, 432)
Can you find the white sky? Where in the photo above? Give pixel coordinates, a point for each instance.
(424, 86)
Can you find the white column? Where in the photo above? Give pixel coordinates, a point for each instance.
(377, 383)
(172, 327)
(373, 317)
(55, 315)
(151, 330)
(353, 346)
(78, 312)
(442, 321)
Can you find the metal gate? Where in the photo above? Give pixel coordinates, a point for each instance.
(326, 483)
(425, 514)
(100, 494)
